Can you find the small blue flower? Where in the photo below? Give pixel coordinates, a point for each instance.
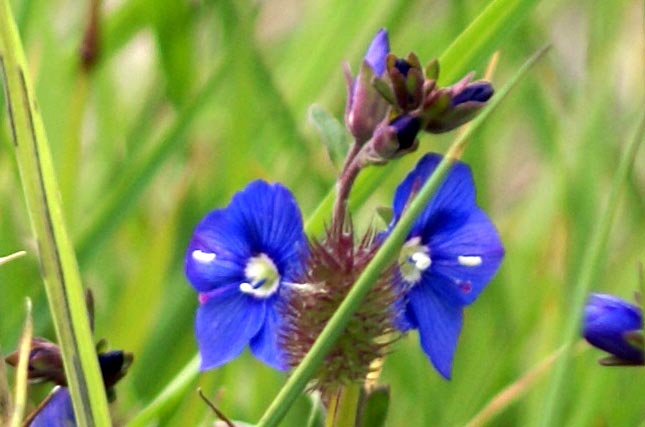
(58, 412)
(607, 321)
(239, 260)
(451, 253)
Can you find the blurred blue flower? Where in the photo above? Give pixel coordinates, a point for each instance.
(607, 321)
(451, 253)
(238, 260)
(58, 412)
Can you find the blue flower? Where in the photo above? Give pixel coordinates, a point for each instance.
(451, 253)
(239, 260)
(607, 321)
(58, 412)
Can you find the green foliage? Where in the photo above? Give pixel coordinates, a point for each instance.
(190, 101)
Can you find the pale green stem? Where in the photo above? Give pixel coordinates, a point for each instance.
(588, 275)
(343, 409)
(58, 263)
(20, 399)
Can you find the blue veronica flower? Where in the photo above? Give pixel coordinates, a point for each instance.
(239, 260)
(58, 412)
(451, 253)
(607, 321)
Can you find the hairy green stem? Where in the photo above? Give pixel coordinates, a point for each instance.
(58, 263)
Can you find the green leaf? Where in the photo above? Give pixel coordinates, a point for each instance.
(58, 263)
(332, 133)
(375, 406)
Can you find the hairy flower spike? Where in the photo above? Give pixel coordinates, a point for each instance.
(335, 264)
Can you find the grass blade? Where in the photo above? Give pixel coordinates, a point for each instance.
(58, 263)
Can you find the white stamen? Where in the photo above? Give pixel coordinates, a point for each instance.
(469, 261)
(421, 260)
(201, 256)
(246, 288)
(262, 275)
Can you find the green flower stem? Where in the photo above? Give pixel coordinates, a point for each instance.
(20, 400)
(589, 272)
(58, 263)
(343, 410)
(386, 255)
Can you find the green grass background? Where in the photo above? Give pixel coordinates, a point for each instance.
(190, 100)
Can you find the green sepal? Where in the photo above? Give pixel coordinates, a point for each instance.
(386, 213)
(432, 69)
(332, 133)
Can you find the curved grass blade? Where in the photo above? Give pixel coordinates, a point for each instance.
(57, 260)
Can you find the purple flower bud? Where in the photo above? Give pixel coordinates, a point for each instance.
(477, 92)
(607, 322)
(403, 66)
(407, 128)
(465, 99)
(378, 50)
(365, 105)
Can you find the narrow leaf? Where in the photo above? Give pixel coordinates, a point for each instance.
(58, 263)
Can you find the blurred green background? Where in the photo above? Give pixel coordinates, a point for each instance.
(190, 100)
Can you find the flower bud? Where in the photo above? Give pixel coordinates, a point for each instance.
(45, 362)
(608, 324)
(448, 108)
(365, 105)
(394, 139)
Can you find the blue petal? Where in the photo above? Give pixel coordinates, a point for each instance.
(225, 324)
(267, 217)
(266, 344)
(378, 50)
(58, 412)
(439, 326)
(450, 205)
(607, 319)
(477, 237)
(216, 237)
(262, 218)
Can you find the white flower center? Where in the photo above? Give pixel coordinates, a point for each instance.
(262, 275)
(414, 260)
